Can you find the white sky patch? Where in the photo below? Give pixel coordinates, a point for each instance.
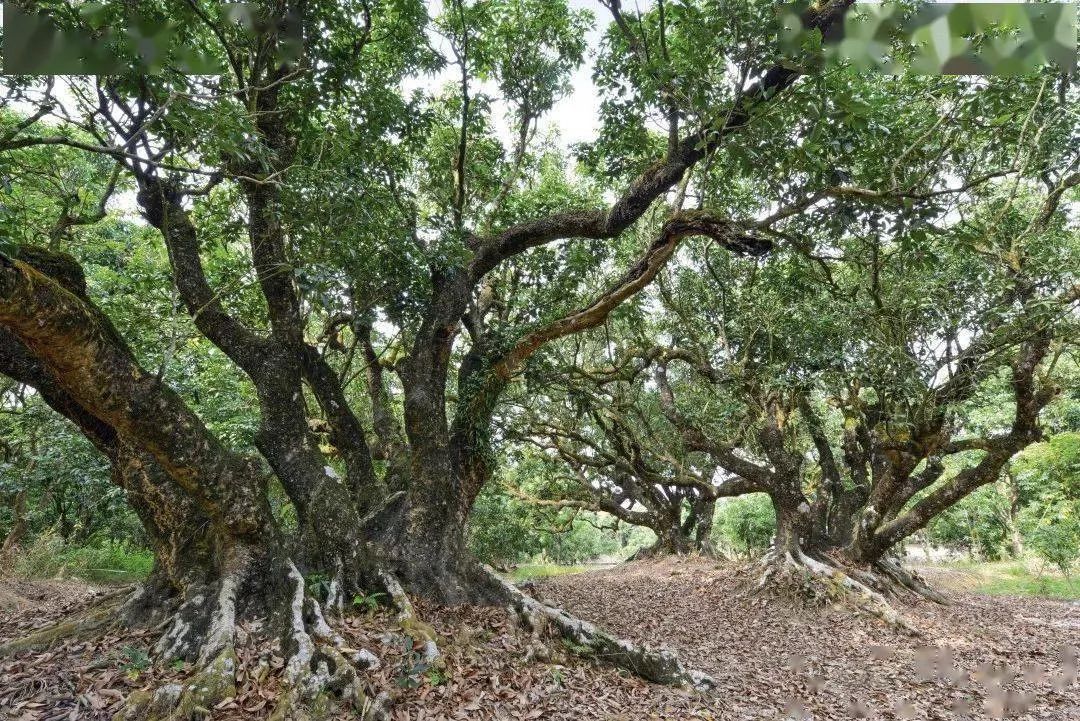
(575, 118)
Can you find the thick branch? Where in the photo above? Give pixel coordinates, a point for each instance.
(658, 178)
(163, 209)
(71, 339)
(682, 225)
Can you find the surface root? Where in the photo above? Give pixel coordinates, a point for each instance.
(657, 665)
(102, 614)
(824, 580)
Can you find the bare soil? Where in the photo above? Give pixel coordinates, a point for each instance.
(981, 657)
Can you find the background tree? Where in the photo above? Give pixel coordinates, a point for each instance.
(843, 380)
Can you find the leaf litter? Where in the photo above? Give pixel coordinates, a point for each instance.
(979, 658)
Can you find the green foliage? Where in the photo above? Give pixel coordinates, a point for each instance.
(103, 562)
(501, 529)
(134, 660)
(505, 527)
(414, 669)
(1015, 578)
(367, 602)
(581, 541)
(317, 585)
(1056, 540)
(436, 676)
(746, 524)
(1049, 478)
(387, 183)
(975, 524)
(66, 481)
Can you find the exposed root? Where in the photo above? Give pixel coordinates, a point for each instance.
(827, 582)
(660, 549)
(320, 671)
(101, 615)
(335, 596)
(317, 674)
(422, 634)
(911, 581)
(194, 699)
(656, 665)
(183, 637)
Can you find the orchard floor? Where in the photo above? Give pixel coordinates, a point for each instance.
(982, 657)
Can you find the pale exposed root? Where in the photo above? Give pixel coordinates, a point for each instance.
(866, 598)
(422, 634)
(190, 701)
(147, 606)
(318, 673)
(769, 564)
(204, 624)
(335, 596)
(204, 627)
(184, 635)
(320, 629)
(656, 665)
(303, 647)
(222, 629)
(911, 581)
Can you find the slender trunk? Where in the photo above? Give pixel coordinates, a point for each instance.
(17, 533)
(1012, 521)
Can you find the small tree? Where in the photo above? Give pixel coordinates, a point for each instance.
(747, 523)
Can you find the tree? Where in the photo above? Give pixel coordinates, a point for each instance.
(621, 464)
(305, 128)
(1047, 481)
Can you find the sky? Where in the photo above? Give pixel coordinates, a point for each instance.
(576, 116)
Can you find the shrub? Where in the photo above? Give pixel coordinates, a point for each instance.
(101, 561)
(1056, 540)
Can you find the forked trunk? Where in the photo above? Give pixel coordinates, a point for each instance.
(677, 536)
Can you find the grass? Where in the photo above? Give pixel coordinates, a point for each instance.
(542, 570)
(103, 562)
(1016, 578)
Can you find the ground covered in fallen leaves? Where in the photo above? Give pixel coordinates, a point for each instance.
(981, 657)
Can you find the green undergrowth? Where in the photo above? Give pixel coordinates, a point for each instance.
(1014, 578)
(99, 562)
(529, 571)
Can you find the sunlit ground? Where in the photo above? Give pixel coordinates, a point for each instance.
(1005, 578)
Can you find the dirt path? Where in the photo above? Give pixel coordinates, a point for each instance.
(771, 659)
